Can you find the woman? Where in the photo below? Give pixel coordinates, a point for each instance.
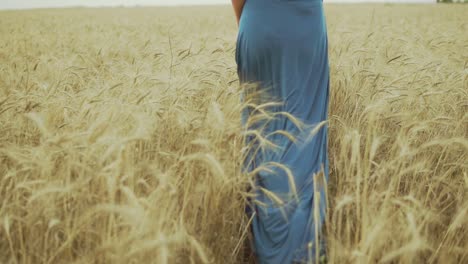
(282, 46)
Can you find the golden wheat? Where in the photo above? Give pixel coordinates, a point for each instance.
(120, 136)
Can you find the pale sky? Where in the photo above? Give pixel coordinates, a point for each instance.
(7, 4)
(20, 4)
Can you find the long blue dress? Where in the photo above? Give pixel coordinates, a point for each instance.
(282, 45)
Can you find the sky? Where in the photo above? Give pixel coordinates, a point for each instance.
(21, 4)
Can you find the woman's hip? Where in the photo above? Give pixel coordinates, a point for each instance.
(283, 19)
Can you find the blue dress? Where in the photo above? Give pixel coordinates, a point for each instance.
(282, 46)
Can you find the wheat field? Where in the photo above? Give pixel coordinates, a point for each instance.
(120, 136)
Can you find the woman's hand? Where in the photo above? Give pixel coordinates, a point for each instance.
(238, 6)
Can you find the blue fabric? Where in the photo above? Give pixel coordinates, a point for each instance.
(283, 46)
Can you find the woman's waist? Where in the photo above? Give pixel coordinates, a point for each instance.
(276, 14)
(285, 2)
(282, 8)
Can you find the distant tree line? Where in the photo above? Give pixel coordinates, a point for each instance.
(452, 1)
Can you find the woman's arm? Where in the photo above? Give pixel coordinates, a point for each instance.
(238, 5)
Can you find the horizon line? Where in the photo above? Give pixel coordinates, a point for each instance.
(208, 5)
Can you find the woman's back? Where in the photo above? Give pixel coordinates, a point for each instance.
(282, 45)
